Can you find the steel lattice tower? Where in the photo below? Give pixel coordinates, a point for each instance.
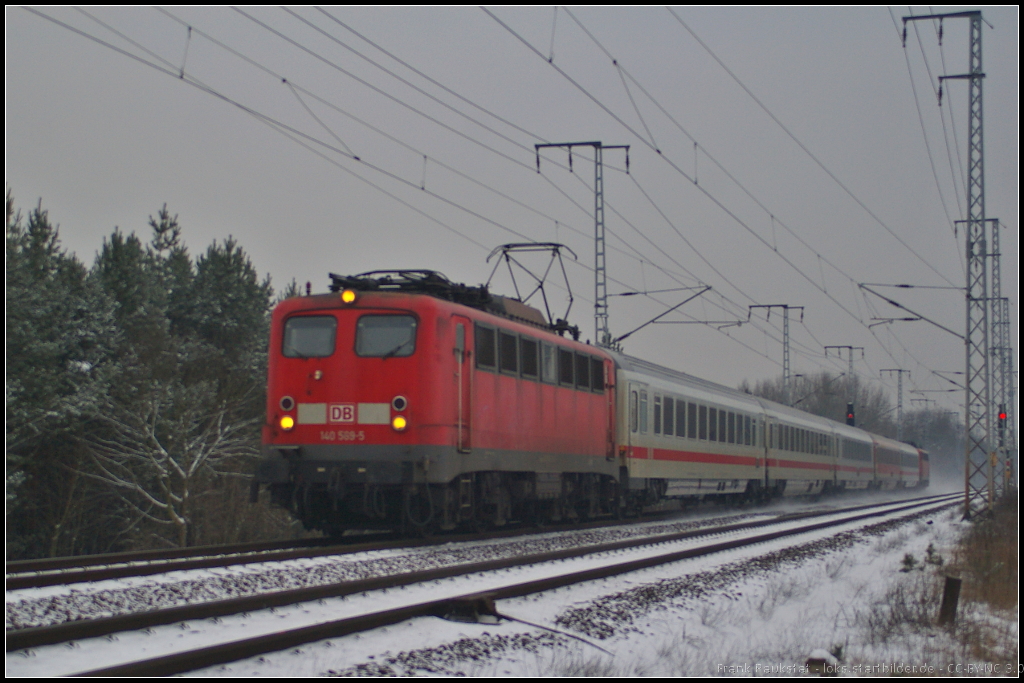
(602, 335)
(981, 449)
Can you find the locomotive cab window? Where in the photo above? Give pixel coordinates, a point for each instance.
(309, 336)
(385, 336)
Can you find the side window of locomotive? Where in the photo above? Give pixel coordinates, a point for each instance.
(486, 357)
(566, 376)
(385, 336)
(597, 375)
(582, 372)
(309, 336)
(548, 363)
(528, 353)
(509, 352)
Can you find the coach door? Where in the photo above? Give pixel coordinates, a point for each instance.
(637, 427)
(463, 384)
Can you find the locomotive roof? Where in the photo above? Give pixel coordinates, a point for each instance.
(434, 284)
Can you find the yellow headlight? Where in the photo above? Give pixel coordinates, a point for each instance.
(287, 422)
(348, 296)
(399, 423)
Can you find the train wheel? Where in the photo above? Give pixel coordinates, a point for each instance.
(418, 506)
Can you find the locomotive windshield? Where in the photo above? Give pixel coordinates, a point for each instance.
(386, 336)
(310, 336)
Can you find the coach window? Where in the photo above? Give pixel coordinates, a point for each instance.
(385, 336)
(691, 420)
(643, 411)
(746, 431)
(309, 336)
(548, 363)
(712, 424)
(657, 414)
(582, 372)
(486, 357)
(681, 418)
(565, 368)
(670, 413)
(732, 427)
(632, 411)
(703, 423)
(722, 425)
(528, 351)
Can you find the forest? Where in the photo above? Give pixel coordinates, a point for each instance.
(135, 391)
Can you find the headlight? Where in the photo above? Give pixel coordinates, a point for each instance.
(399, 423)
(348, 296)
(287, 423)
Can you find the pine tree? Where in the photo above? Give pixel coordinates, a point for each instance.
(60, 360)
(192, 393)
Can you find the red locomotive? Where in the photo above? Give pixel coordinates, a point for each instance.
(403, 400)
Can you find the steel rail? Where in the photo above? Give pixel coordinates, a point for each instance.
(481, 601)
(77, 630)
(62, 571)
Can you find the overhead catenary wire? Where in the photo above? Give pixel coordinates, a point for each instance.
(927, 145)
(807, 150)
(331, 150)
(714, 199)
(363, 57)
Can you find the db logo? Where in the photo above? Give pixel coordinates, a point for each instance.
(342, 412)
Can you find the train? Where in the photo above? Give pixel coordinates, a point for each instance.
(401, 400)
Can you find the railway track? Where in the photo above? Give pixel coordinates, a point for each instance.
(59, 571)
(365, 607)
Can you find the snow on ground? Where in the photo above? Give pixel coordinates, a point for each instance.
(57, 604)
(758, 613)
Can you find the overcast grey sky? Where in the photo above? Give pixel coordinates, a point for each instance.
(105, 140)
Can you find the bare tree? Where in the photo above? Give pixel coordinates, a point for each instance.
(164, 448)
(826, 394)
